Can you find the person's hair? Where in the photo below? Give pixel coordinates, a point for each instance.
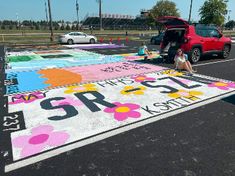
(178, 51)
(143, 43)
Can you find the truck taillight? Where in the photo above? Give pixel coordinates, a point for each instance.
(186, 40)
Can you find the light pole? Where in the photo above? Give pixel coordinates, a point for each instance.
(229, 11)
(100, 14)
(46, 11)
(51, 26)
(77, 8)
(190, 11)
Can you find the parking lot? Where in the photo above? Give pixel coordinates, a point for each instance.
(195, 139)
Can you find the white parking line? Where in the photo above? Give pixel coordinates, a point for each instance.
(210, 63)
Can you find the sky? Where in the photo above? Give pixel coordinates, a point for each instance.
(66, 9)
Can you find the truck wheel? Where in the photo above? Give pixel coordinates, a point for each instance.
(226, 51)
(195, 55)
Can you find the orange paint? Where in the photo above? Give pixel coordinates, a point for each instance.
(59, 77)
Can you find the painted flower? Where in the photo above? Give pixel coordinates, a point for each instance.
(222, 85)
(82, 88)
(133, 90)
(173, 73)
(67, 101)
(27, 98)
(40, 138)
(185, 94)
(142, 78)
(123, 111)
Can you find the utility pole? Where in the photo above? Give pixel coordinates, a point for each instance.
(51, 26)
(229, 11)
(190, 11)
(18, 21)
(100, 14)
(46, 11)
(77, 8)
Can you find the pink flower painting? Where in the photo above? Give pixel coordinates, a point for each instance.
(40, 138)
(222, 85)
(142, 78)
(123, 111)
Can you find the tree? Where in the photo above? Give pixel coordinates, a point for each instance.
(10, 27)
(162, 8)
(213, 12)
(67, 27)
(230, 24)
(62, 27)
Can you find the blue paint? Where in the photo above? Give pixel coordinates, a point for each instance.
(28, 81)
(58, 63)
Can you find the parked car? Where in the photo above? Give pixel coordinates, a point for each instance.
(77, 37)
(156, 40)
(195, 40)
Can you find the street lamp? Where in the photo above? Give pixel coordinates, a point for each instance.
(77, 8)
(190, 11)
(51, 26)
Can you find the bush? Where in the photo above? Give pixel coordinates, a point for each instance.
(37, 27)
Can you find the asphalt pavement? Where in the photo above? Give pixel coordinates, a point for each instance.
(199, 142)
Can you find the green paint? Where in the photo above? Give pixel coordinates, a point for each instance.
(20, 58)
(56, 56)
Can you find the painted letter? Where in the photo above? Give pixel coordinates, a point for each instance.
(69, 109)
(90, 103)
(171, 89)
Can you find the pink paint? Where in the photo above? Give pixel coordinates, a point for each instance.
(67, 101)
(142, 78)
(123, 111)
(27, 98)
(181, 80)
(113, 70)
(184, 94)
(222, 85)
(39, 139)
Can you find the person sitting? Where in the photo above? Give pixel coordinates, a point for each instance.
(143, 51)
(182, 62)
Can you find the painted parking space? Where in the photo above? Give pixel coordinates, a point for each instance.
(135, 56)
(74, 116)
(28, 81)
(43, 117)
(23, 61)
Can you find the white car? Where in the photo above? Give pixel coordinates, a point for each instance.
(77, 37)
